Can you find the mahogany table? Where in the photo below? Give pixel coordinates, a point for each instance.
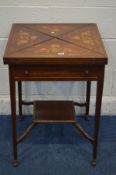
(55, 52)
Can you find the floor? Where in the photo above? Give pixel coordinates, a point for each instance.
(58, 149)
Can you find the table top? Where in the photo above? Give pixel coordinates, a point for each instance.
(55, 44)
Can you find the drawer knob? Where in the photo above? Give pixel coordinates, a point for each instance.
(86, 72)
(26, 72)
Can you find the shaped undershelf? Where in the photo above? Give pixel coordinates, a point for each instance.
(54, 112)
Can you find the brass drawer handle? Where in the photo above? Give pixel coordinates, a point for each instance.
(86, 72)
(26, 72)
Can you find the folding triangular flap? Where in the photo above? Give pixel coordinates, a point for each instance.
(23, 38)
(53, 29)
(55, 48)
(87, 37)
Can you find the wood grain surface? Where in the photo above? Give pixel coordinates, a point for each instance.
(41, 43)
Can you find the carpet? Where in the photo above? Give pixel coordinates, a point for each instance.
(58, 149)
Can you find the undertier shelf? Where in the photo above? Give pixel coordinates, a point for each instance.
(54, 112)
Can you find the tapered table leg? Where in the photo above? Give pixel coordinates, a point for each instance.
(20, 99)
(88, 89)
(97, 118)
(13, 113)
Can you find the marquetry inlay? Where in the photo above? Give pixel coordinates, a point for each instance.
(55, 40)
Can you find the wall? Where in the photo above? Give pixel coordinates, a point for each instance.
(101, 12)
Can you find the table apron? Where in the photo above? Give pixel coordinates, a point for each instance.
(67, 73)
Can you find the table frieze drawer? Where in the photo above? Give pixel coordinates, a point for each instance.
(57, 73)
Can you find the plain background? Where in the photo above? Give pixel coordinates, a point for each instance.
(56, 11)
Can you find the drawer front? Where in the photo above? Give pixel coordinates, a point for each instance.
(58, 73)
